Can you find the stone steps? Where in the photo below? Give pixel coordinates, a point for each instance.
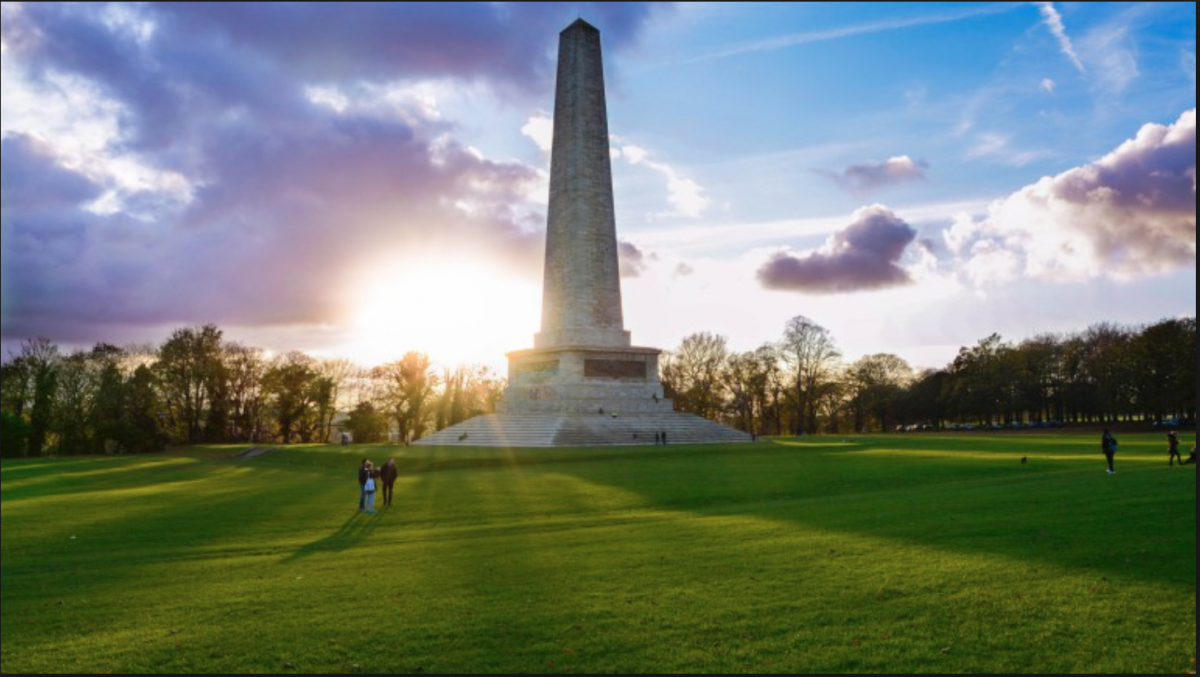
(548, 430)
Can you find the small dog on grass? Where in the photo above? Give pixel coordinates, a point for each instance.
(1024, 460)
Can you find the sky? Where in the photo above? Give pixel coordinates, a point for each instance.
(365, 180)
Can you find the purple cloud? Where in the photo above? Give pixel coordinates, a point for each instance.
(632, 260)
(282, 200)
(863, 256)
(870, 177)
(1130, 214)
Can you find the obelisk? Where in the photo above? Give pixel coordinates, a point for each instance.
(583, 383)
(581, 298)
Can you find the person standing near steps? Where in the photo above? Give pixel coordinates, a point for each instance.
(1109, 444)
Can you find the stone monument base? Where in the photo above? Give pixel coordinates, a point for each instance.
(579, 430)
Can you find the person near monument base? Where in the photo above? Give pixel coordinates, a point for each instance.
(1173, 448)
(1108, 444)
(388, 476)
(364, 474)
(369, 490)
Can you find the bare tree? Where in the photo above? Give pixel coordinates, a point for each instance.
(812, 355)
(694, 374)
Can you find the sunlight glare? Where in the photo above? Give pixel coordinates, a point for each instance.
(459, 312)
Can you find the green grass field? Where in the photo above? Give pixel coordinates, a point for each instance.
(872, 554)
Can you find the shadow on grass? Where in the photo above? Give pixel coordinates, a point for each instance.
(353, 533)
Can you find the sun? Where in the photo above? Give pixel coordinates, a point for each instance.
(463, 311)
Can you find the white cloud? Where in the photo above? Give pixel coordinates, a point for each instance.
(1130, 214)
(685, 196)
(786, 41)
(540, 128)
(997, 147)
(1110, 50)
(1053, 21)
(1048, 85)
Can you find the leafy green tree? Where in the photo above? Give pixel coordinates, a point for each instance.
(14, 435)
(366, 424)
(291, 386)
(190, 372)
(408, 389)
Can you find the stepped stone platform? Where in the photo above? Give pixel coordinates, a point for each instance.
(582, 430)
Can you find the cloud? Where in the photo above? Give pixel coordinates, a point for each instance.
(1130, 214)
(632, 261)
(246, 164)
(685, 196)
(1048, 85)
(998, 147)
(870, 177)
(1110, 50)
(795, 39)
(684, 270)
(863, 256)
(1053, 21)
(540, 128)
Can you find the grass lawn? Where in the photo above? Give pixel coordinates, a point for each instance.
(867, 554)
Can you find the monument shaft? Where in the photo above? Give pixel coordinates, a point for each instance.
(583, 383)
(581, 297)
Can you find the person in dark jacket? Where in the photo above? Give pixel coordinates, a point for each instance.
(1108, 444)
(364, 473)
(388, 476)
(1173, 448)
(1191, 459)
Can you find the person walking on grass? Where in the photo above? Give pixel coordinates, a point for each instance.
(388, 476)
(1173, 448)
(369, 489)
(1109, 444)
(364, 474)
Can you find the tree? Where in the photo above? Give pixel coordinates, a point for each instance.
(812, 354)
(334, 375)
(144, 415)
(14, 387)
(244, 371)
(14, 435)
(292, 387)
(694, 374)
(41, 360)
(366, 424)
(190, 373)
(408, 388)
(875, 384)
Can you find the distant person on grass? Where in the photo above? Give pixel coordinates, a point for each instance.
(369, 489)
(364, 474)
(389, 475)
(1173, 448)
(1191, 459)
(1109, 444)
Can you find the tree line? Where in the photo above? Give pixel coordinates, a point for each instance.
(801, 383)
(199, 388)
